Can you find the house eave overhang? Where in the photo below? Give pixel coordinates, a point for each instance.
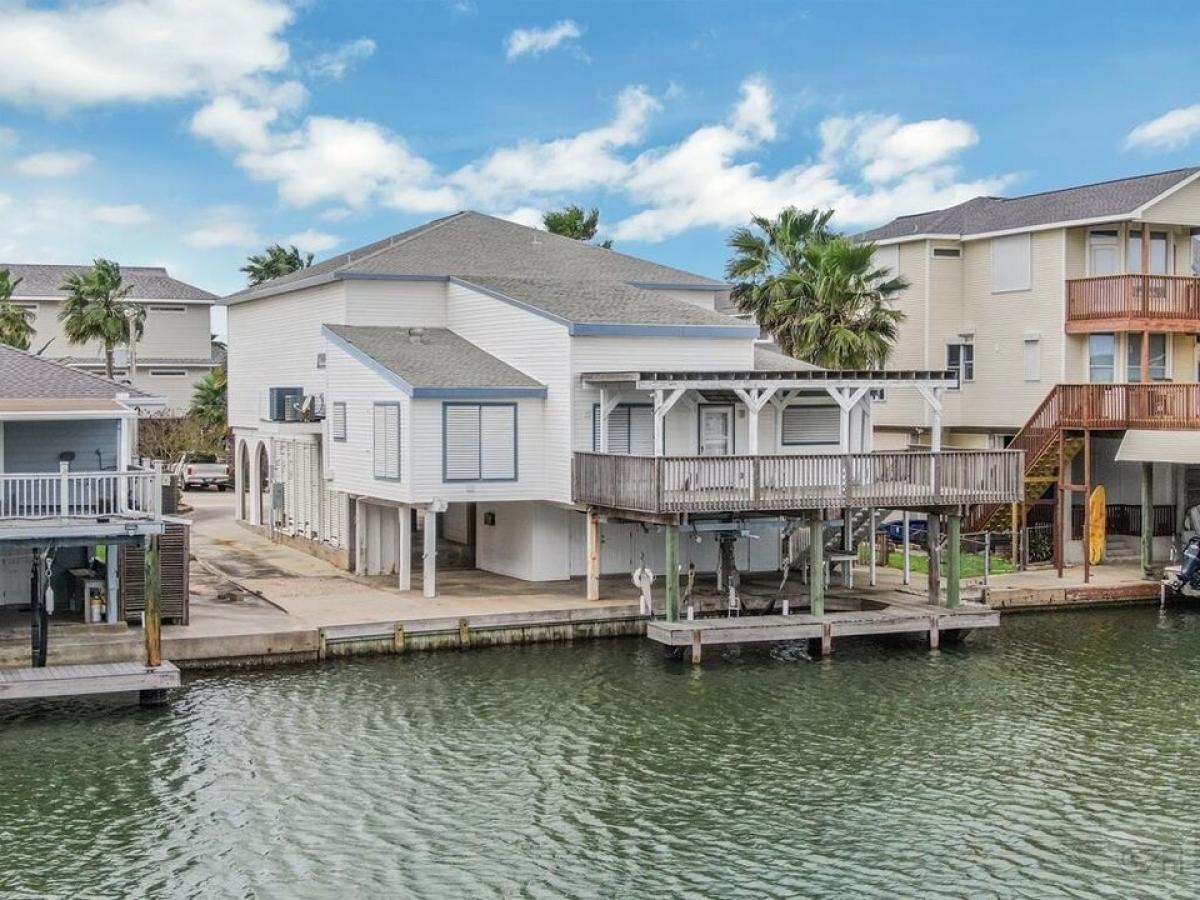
(809, 378)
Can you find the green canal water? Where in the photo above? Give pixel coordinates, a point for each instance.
(1055, 758)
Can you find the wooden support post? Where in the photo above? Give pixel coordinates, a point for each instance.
(593, 555)
(935, 634)
(1087, 506)
(1060, 547)
(816, 564)
(933, 536)
(672, 573)
(1015, 528)
(906, 572)
(429, 560)
(360, 536)
(1147, 520)
(1145, 367)
(404, 548)
(874, 549)
(152, 625)
(826, 638)
(696, 647)
(112, 587)
(464, 634)
(953, 562)
(398, 638)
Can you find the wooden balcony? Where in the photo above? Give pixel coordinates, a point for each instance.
(1163, 303)
(673, 485)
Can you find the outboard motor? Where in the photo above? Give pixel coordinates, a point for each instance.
(1187, 579)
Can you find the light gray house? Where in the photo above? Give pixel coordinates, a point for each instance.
(67, 482)
(174, 352)
(498, 387)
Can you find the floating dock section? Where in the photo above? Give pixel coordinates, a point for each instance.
(103, 678)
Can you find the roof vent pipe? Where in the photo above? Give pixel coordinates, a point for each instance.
(416, 335)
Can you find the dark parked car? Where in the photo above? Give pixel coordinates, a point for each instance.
(917, 530)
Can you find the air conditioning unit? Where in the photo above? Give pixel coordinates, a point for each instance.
(285, 403)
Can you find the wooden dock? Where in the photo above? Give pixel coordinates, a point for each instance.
(74, 681)
(891, 619)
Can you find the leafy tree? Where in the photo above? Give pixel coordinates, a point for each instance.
(574, 223)
(209, 399)
(96, 310)
(819, 294)
(16, 323)
(275, 262)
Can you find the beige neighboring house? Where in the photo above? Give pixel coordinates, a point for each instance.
(174, 352)
(1071, 317)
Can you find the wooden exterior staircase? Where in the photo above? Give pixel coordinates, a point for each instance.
(1070, 409)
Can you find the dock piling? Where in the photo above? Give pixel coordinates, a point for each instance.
(672, 573)
(953, 567)
(816, 565)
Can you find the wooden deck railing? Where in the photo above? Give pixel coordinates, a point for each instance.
(80, 495)
(1158, 298)
(699, 484)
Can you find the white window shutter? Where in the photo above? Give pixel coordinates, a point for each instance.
(497, 433)
(641, 430)
(337, 421)
(386, 440)
(1011, 263)
(1033, 359)
(811, 424)
(618, 430)
(462, 443)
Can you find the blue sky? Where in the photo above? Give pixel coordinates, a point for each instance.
(191, 134)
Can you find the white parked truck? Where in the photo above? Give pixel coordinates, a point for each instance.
(199, 470)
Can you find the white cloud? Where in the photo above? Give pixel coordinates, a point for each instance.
(312, 241)
(126, 214)
(524, 215)
(52, 164)
(223, 226)
(582, 162)
(536, 41)
(868, 169)
(1170, 131)
(122, 50)
(336, 63)
(230, 123)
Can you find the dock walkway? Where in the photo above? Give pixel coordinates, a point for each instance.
(890, 619)
(74, 681)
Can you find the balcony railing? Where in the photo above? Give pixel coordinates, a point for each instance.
(1128, 302)
(697, 484)
(39, 496)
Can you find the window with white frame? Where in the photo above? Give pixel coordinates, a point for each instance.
(1102, 358)
(164, 308)
(174, 373)
(1011, 263)
(479, 441)
(630, 429)
(386, 444)
(960, 359)
(947, 252)
(1159, 254)
(810, 424)
(1033, 359)
(888, 258)
(337, 420)
(1158, 357)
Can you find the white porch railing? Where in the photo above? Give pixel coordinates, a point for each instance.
(135, 494)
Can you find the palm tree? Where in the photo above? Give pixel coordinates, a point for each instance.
(769, 256)
(96, 310)
(16, 322)
(275, 262)
(574, 223)
(209, 400)
(838, 313)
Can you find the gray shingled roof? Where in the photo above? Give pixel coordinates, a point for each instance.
(485, 250)
(769, 358)
(601, 301)
(432, 358)
(23, 375)
(145, 282)
(985, 214)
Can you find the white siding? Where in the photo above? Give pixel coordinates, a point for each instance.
(274, 341)
(401, 303)
(541, 349)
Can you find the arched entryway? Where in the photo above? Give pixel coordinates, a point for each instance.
(264, 485)
(243, 481)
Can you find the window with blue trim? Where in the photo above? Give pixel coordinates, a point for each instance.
(630, 429)
(479, 441)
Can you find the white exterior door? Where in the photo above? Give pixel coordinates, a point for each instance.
(1104, 252)
(716, 430)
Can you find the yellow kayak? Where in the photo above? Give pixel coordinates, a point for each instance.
(1097, 516)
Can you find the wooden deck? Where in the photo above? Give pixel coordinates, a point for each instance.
(891, 619)
(699, 484)
(74, 681)
(1133, 302)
